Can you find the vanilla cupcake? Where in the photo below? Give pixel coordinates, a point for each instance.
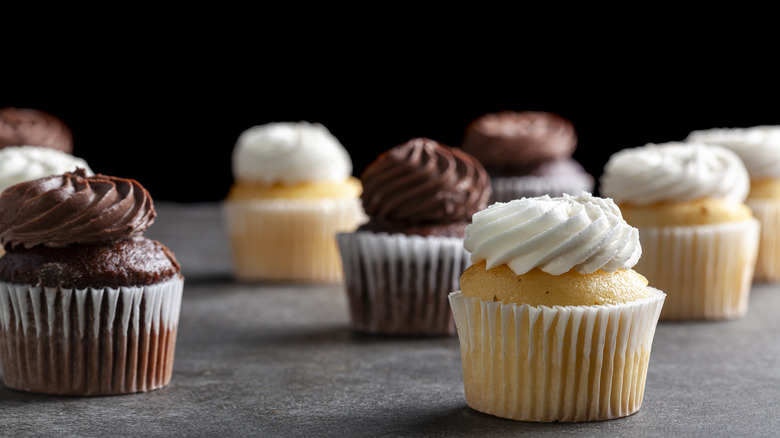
(700, 239)
(88, 305)
(400, 266)
(527, 154)
(759, 149)
(293, 192)
(553, 322)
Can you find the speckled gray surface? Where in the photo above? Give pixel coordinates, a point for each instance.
(280, 360)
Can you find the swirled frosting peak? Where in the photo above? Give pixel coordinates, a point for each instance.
(290, 153)
(424, 181)
(513, 142)
(27, 126)
(757, 146)
(674, 172)
(59, 210)
(584, 233)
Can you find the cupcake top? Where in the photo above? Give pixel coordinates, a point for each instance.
(289, 153)
(423, 182)
(79, 231)
(73, 208)
(583, 233)
(758, 147)
(26, 126)
(519, 142)
(674, 172)
(25, 163)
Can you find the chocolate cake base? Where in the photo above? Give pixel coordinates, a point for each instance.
(85, 342)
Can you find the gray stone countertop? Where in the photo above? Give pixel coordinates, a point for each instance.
(280, 360)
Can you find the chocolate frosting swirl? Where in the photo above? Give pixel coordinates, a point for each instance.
(32, 127)
(423, 181)
(511, 142)
(72, 208)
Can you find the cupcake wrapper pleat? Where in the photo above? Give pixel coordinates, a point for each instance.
(569, 364)
(289, 240)
(398, 284)
(706, 271)
(88, 341)
(768, 261)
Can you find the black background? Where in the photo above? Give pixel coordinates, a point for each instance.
(174, 130)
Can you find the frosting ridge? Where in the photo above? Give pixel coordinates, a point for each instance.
(674, 172)
(582, 233)
(73, 208)
(424, 181)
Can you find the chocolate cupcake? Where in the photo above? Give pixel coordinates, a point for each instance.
(400, 266)
(88, 305)
(33, 127)
(527, 154)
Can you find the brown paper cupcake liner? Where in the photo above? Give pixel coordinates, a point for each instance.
(398, 284)
(289, 240)
(88, 341)
(706, 271)
(544, 364)
(768, 260)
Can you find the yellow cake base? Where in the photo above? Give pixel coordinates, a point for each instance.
(539, 288)
(544, 364)
(351, 187)
(700, 212)
(289, 240)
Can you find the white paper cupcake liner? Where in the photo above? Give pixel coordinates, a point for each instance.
(88, 341)
(768, 260)
(398, 284)
(289, 240)
(506, 189)
(544, 364)
(706, 271)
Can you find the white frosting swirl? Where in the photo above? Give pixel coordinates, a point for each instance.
(757, 146)
(26, 163)
(289, 153)
(583, 233)
(676, 172)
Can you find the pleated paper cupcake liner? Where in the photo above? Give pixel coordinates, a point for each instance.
(289, 240)
(398, 284)
(768, 261)
(506, 189)
(706, 271)
(544, 364)
(88, 341)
